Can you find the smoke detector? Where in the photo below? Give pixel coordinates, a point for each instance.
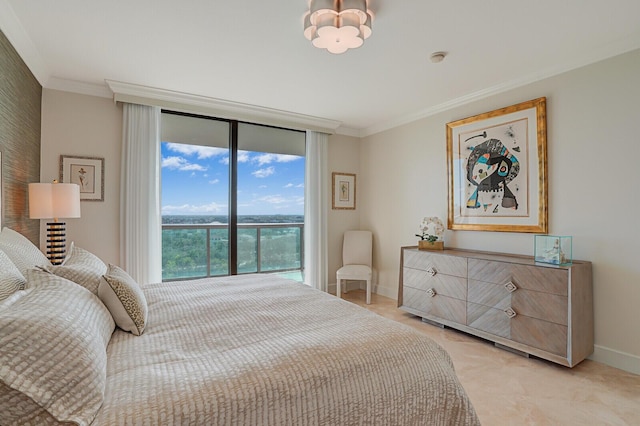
(437, 57)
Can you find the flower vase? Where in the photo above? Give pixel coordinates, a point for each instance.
(430, 245)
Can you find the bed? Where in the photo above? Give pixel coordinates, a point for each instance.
(242, 350)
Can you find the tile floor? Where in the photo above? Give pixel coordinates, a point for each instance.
(508, 389)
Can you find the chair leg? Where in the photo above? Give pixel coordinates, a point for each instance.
(368, 292)
(338, 289)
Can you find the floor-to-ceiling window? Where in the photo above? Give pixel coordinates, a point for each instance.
(232, 197)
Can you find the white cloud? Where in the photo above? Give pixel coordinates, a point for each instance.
(300, 185)
(243, 157)
(263, 173)
(195, 209)
(263, 186)
(173, 162)
(289, 185)
(203, 152)
(180, 163)
(214, 181)
(263, 159)
(274, 199)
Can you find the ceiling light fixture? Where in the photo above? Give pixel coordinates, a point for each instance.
(338, 25)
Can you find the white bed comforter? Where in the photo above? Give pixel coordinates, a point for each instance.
(263, 350)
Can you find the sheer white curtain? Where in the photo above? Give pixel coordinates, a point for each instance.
(315, 211)
(140, 220)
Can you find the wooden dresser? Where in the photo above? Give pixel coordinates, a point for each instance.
(535, 308)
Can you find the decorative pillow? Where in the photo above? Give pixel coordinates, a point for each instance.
(79, 256)
(69, 251)
(81, 267)
(11, 280)
(54, 351)
(22, 252)
(124, 299)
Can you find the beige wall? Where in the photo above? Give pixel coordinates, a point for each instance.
(593, 148)
(89, 126)
(343, 156)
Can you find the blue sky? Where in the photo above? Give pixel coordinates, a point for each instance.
(195, 180)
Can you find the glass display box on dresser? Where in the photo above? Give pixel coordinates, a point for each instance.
(554, 249)
(537, 309)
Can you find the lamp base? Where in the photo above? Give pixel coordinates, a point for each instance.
(56, 242)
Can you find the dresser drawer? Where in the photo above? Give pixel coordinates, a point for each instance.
(489, 319)
(540, 334)
(538, 278)
(441, 264)
(439, 306)
(544, 335)
(545, 306)
(446, 285)
(488, 294)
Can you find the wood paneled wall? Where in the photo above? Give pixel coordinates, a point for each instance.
(20, 110)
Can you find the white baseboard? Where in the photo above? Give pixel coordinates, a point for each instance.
(391, 293)
(617, 359)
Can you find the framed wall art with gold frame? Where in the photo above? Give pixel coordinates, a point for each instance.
(497, 169)
(343, 190)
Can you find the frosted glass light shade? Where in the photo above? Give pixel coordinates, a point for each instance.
(54, 200)
(337, 25)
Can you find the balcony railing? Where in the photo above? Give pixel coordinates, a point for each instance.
(202, 250)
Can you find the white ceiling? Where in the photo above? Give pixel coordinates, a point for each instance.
(254, 52)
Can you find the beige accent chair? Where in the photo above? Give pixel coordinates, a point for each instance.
(356, 260)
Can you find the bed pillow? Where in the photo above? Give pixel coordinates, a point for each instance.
(54, 351)
(81, 267)
(22, 252)
(11, 280)
(125, 300)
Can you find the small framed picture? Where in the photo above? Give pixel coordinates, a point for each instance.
(344, 191)
(87, 172)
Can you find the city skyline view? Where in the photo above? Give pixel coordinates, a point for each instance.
(195, 181)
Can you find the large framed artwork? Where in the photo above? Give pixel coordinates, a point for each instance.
(343, 191)
(87, 172)
(497, 167)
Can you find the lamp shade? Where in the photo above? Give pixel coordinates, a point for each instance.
(54, 200)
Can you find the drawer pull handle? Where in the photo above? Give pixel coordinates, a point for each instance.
(432, 271)
(510, 312)
(511, 287)
(431, 292)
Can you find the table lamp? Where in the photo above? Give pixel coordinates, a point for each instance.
(54, 201)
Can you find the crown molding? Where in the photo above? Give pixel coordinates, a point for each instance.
(349, 131)
(133, 93)
(100, 90)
